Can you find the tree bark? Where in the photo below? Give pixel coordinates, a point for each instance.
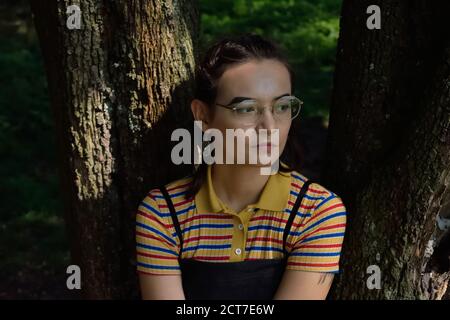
(388, 149)
(118, 87)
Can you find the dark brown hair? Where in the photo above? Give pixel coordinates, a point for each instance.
(223, 54)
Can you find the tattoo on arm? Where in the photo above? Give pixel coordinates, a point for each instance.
(326, 276)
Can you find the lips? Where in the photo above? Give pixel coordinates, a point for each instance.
(265, 145)
(268, 145)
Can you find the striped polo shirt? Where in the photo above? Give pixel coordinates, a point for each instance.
(213, 232)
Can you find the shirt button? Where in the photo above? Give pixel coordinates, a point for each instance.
(238, 251)
(240, 226)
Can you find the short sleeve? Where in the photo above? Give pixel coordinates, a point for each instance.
(156, 245)
(317, 245)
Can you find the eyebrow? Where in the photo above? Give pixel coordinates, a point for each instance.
(239, 99)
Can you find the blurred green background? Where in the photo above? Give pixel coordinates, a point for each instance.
(33, 247)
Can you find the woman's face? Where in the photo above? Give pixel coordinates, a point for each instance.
(262, 81)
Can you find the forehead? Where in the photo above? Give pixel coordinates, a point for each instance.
(260, 79)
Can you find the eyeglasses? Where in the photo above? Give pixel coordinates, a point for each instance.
(249, 112)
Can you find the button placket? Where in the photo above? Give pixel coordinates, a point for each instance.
(243, 218)
(238, 239)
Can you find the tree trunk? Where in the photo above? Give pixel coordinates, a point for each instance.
(388, 152)
(118, 87)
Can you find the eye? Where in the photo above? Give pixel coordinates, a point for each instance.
(246, 107)
(286, 104)
(282, 107)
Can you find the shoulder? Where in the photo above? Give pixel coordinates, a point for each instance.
(153, 210)
(322, 198)
(323, 222)
(154, 199)
(179, 187)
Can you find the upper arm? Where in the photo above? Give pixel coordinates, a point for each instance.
(315, 252)
(157, 251)
(304, 285)
(161, 287)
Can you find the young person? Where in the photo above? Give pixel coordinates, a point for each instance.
(228, 231)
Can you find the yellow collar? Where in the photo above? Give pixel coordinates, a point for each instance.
(274, 196)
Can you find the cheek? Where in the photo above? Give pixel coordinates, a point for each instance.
(221, 121)
(284, 132)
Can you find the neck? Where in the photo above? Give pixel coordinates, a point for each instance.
(237, 185)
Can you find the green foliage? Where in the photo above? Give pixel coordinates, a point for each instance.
(30, 204)
(307, 30)
(27, 139)
(34, 240)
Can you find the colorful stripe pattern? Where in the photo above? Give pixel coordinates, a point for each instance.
(314, 242)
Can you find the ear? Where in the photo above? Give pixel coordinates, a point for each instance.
(201, 112)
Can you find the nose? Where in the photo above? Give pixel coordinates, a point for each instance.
(266, 121)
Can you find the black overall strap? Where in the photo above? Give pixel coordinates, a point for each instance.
(294, 210)
(173, 214)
